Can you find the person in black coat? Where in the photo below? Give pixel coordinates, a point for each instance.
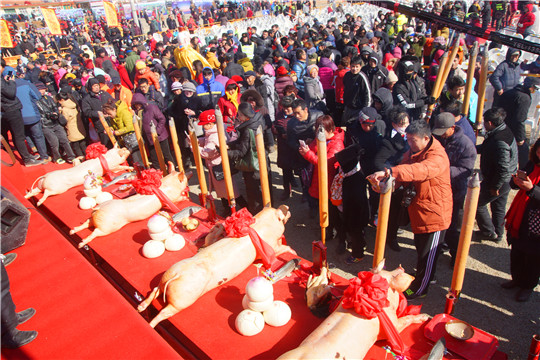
(358, 94)
(32, 72)
(232, 68)
(393, 147)
(516, 103)
(244, 147)
(91, 105)
(410, 90)
(462, 155)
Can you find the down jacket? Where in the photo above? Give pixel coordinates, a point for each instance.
(151, 114)
(506, 74)
(429, 173)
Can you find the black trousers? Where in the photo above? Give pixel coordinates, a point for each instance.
(15, 123)
(165, 149)
(253, 190)
(56, 136)
(9, 316)
(79, 147)
(428, 250)
(452, 234)
(495, 222)
(524, 267)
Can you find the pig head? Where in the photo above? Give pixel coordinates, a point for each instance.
(216, 264)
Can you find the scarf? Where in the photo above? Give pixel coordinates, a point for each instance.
(234, 98)
(514, 216)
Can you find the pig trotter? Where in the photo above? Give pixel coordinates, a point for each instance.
(97, 232)
(46, 194)
(32, 193)
(144, 304)
(84, 225)
(165, 313)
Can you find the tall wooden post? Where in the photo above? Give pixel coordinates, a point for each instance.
(157, 148)
(198, 163)
(386, 189)
(322, 168)
(263, 170)
(482, 89)
(140, 141)
(176, 146)
(225, 159)
(470, 78)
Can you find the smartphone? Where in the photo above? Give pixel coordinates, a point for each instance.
(302, 143)
(522, 175)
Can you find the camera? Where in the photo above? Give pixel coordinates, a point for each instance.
(408, 196)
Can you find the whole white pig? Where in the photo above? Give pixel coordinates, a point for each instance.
(346, 335)
(112, 215)
(60, 181)
(216, 264)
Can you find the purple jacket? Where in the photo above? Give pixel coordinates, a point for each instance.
(326, 62)
(222, 79)
(151, 114)
(281, 83)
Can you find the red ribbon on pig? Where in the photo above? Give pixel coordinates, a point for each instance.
(148, 183)
(238, 225)
(96, 150)
(367, 295)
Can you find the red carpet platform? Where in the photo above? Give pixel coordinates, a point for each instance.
(205, 330)
(80, 315)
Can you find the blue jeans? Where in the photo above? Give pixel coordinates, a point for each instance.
(36, 134)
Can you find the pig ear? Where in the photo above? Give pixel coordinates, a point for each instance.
(379, 267)
(171, 167)
(115, 145)
(283, 212)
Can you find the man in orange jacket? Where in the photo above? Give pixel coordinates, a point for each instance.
(425, 174)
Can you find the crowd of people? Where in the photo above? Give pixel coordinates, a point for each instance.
(368, 84)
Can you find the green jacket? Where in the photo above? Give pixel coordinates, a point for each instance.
(123, 121)
(131, 59)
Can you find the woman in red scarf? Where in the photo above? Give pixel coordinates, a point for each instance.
(523, 225)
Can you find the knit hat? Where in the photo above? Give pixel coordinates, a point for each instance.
(441, 40)
(246, 109)
(176, 86)
(140, 65)
(311, 67)
(249, 73)
(189, 87)
(41, 86)
(207, 117)
(281, 71)
(368, 115)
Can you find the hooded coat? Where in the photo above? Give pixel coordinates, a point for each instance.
(301, 130)
(91, 104)
(384, 96)
(507, 74)
(228, 109)
(281, 83)
(209, 92)
(151, 114)
(378, 75)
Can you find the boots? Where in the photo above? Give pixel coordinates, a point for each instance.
(25, 315)
(19, 338)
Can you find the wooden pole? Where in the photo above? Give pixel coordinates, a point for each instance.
(107, 128)
(437, 83)
(263, 170)
(386, 189)
(470, 77)
(225, 159)
(176, 147)
(198, 163)
(157, 148)
(448, 66)
(140, 141)
(322, 168)
(469, 215)
(482, 90)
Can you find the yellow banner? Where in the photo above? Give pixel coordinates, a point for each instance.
(110, 14)
(5, 36)
(52, 21)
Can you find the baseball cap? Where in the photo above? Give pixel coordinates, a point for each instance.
(532, 82)
(249, 73)
(443, 122)
(207, 117)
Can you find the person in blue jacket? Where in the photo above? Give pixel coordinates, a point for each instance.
(210, 90)
(28, 95)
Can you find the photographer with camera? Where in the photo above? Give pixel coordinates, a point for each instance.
(425, 170)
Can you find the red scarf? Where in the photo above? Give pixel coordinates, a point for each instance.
(514, 216)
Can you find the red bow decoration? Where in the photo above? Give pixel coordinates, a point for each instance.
(238, 225)
(367, 294)
(148, 183)
(95, 150)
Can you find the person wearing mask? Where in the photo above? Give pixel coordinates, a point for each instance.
(12, 116)
(410, 91)
(53, 126)
(462, 155)
(91, 105)
(151, 114)
(496, 168)
(210, 90)
(358, 94)
(426, 171)
(517, 102)
(523, 233)
(506, 75)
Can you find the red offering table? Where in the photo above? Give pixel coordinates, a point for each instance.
(79, 314)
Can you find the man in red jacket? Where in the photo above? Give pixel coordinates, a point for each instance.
(425, 174)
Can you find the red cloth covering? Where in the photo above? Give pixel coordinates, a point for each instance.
(514, 216)
(238, 225)
(148, 183)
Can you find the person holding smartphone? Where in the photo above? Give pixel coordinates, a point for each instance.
(12, 115)
(523, 226)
